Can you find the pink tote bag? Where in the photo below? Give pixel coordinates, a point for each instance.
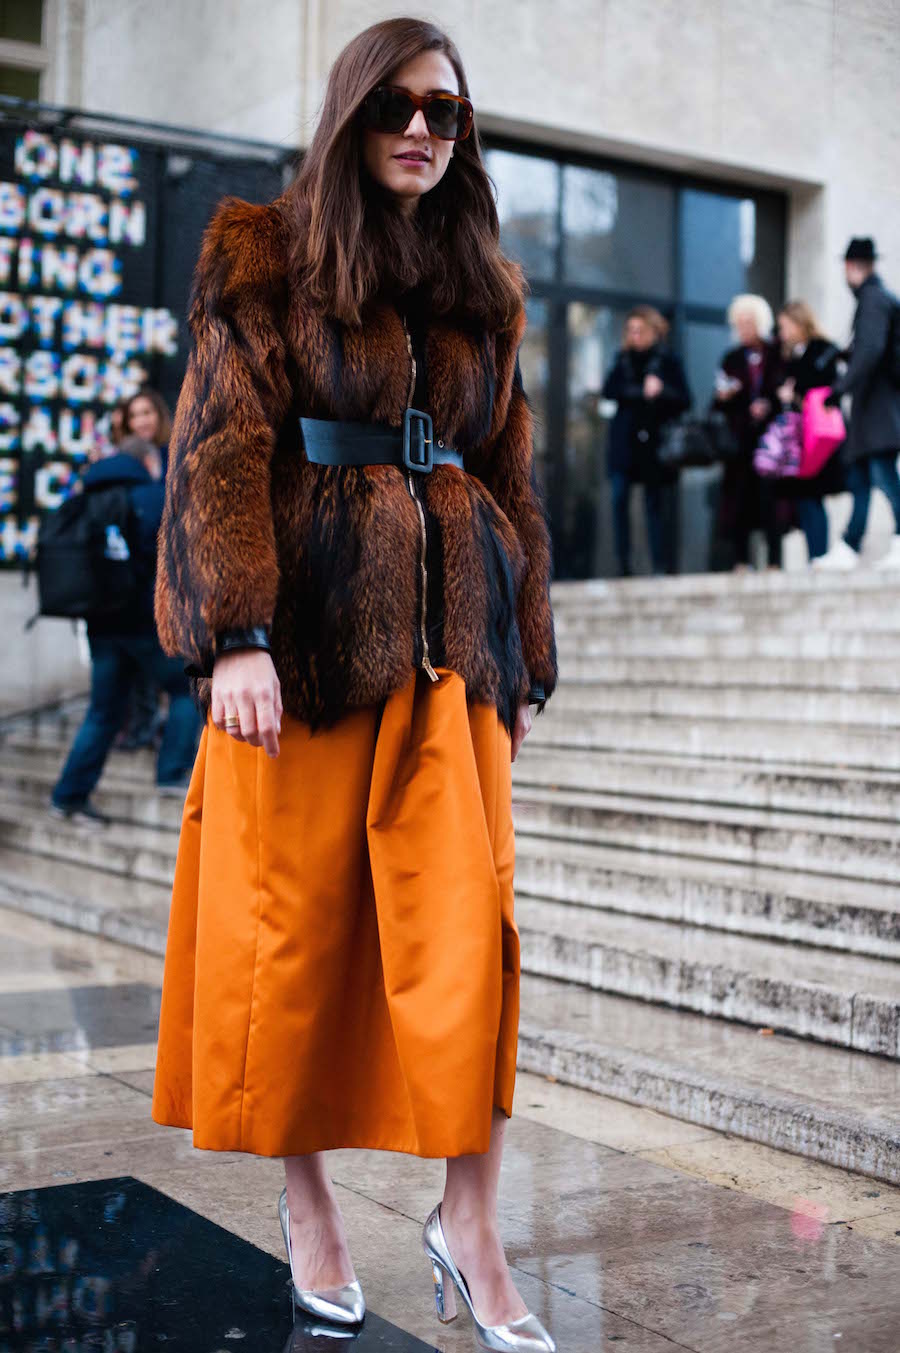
(823, 432)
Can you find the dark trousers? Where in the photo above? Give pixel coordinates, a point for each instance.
(813, 521)
(115, 662)
(875, 472)
(621, 510)
(758, 507)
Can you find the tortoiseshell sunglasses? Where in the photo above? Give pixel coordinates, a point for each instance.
(391, 109)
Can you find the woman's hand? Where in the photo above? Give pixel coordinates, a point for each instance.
(759, 409)
(653, 386)
(786, 391)
(245, 686)
(521, 728)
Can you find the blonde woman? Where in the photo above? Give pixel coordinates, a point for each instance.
(746, 386)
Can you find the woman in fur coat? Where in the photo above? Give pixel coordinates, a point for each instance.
(355, 564)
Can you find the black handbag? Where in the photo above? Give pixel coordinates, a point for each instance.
(689, 441)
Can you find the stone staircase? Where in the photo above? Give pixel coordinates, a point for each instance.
(708, 855)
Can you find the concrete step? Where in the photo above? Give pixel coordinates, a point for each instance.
(766, 741)
(86, 898)
(826, 1103)
(852, 1002)
(848, 915)
(876, 709)
(803, 597)
(881, 675)
(692, 779)
(47, 751)
(126, 797)
(813, 645)
(811, 907)
(147, 855)
(764, 589)
(855, 848)
(881, 616)
(829, 1104)
(124, 849)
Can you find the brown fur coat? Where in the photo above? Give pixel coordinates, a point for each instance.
(254, 534)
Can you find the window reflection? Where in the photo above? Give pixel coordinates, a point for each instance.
(535, 362)
(627, 236)
(527, 198)
(703, 347)
(583, 529)
(730, 244)
(618, 231)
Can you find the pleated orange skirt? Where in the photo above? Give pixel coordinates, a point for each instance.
(342, 965)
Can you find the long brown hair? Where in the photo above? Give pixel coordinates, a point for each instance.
(804, 317)
(163, 414)
(351, 241)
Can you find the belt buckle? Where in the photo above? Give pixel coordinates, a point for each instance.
(418, 441)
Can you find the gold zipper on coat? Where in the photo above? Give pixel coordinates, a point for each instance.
(423, 542)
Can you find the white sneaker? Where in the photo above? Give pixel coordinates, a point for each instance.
(892, 559)
(841, 558)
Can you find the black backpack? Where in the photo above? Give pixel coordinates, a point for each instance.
(85, 563)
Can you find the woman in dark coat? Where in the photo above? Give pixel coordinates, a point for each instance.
(809, 361)
(650, 388)
(746, 386)
(355, 562)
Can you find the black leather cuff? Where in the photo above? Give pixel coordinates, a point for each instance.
(536, 695)
(237, 640)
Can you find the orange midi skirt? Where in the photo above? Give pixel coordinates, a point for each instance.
(342, 965)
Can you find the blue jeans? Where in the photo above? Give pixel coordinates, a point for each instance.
(621, 510)
(814, 524)
(115, 662)
(875, 472)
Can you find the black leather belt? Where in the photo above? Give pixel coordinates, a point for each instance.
(329, 442)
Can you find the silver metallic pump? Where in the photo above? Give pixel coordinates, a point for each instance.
(340, 1305)
(526, 1335)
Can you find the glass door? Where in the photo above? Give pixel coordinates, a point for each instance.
(584, 514)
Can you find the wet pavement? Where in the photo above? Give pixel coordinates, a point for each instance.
(625, 1229)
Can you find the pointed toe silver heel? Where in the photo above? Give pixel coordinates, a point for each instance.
(526, 1335)
(338, 1305)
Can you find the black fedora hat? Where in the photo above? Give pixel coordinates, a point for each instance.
(861, 249)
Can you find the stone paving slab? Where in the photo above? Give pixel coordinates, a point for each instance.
(609, 1245)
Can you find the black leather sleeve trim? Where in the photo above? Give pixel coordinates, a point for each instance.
(236, 640)
(536, 696)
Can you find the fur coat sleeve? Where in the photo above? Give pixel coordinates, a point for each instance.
(506, 465)
(217, 558)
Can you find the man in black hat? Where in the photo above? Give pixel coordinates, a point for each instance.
(873, 437)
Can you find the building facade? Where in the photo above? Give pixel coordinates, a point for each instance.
(670, 151)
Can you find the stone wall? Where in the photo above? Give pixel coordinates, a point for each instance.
(798, 93)
(39, 665)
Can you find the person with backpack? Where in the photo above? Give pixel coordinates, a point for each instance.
(109, 537)
(873, 380)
